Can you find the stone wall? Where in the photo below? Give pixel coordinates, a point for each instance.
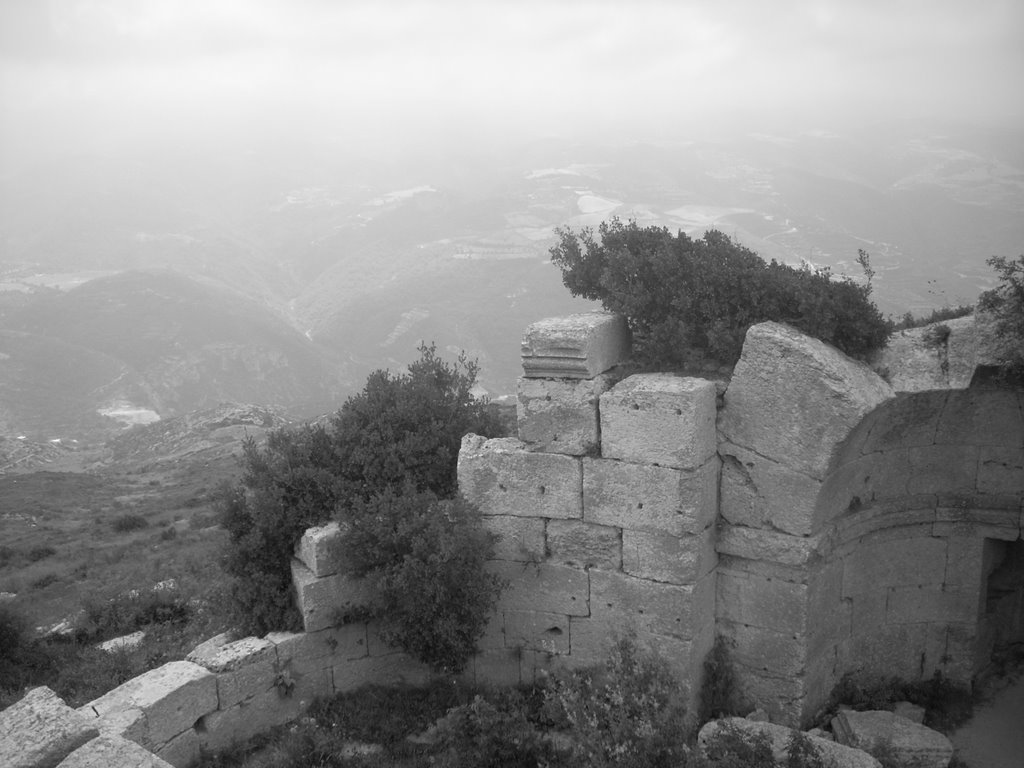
(816, 517)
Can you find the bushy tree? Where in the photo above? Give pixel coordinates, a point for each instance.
(1006, 303)
(424, 560)
(402, 431)
(681, 294)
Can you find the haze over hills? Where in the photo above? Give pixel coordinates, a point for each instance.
(254, 274)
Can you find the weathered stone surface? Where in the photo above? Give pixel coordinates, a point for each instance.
(584, 545)
(172, 697)
(647, 498)
(519, 538)
(244, 667)
(908, 711)
(537, 630)
(575, 346)
(245, 719)
(893, 563)
(329, 646)
(112, 752)
(1001, 470)
(943, 469)
(625, 603)
(760, 544)
(560, 415)
(767, 651)
(667, 558)
(543, 587)
(394, 669)
(181, 751)
(914, 745)
(319, 549)
(910, 605)
(833, 754)
(794, 399)
(124, 643)
(913, 651)
(322, 600)
(757, 491)
(658, 418)
(761, 602)
(498, 667)
(503, 478)
(40, 730)
(1001, 524)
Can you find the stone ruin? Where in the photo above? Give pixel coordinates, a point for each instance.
(818, 517)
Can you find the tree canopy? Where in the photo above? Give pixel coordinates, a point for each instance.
(683, 296)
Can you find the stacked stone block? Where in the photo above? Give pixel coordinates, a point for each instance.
(611, 492)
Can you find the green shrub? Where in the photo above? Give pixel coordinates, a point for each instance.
(630, 713)
(424, 560)
(802, 753)
(681, 295)
(128, 522)
(482, 734)
(126, 613)
(732, 748)
(400, 430)
(720, 694)
(1006, 303)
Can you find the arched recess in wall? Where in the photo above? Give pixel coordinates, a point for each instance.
(920, 559)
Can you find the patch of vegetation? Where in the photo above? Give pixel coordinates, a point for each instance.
(681, 295)
(401, 433)
(1006, 303)
(947, 704)
(732, 748)
(128, 522)
(423, 558)
(720, 693)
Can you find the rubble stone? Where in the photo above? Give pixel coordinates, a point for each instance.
(577, 346)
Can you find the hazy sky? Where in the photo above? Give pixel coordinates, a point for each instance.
(131, 71)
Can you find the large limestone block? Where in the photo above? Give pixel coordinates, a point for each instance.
(323, 648)
(519, 538)
(758, 492)
(319, 549)
(502, 478)
(171, 697)
(560, 415)
(577, 346)
(244, 667)
(109, 751)
(182, 751)
(543, 587)
(833, 755)
(626, 603)
(584, 545)
(910, 605)
(667, 558)
(794, 399)
(767, 651)
(658, 418)
(323, 601)
(895, 562)
(761, 544)
(762, 602)
(913, 744)
(248, 718)
(648, 498)
(40, 730)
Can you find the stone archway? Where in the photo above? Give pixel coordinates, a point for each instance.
(859, 524)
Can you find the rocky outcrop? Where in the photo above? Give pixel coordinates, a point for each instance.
(833, 755)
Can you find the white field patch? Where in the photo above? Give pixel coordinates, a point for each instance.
(694, 217)
(129, 414)
(588, 203)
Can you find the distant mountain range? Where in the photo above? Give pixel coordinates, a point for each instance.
(144, 287)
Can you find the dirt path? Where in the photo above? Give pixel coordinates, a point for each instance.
(994, 737)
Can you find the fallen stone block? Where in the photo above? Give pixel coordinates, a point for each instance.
(124, 643)
(794, 399)
(912, 744)
(658, 418)
(560, 415)
(40, 730)
(502, 478)
(578, 346)
(833, 755)
(319, 549)
(108, 751)
(171, 698)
